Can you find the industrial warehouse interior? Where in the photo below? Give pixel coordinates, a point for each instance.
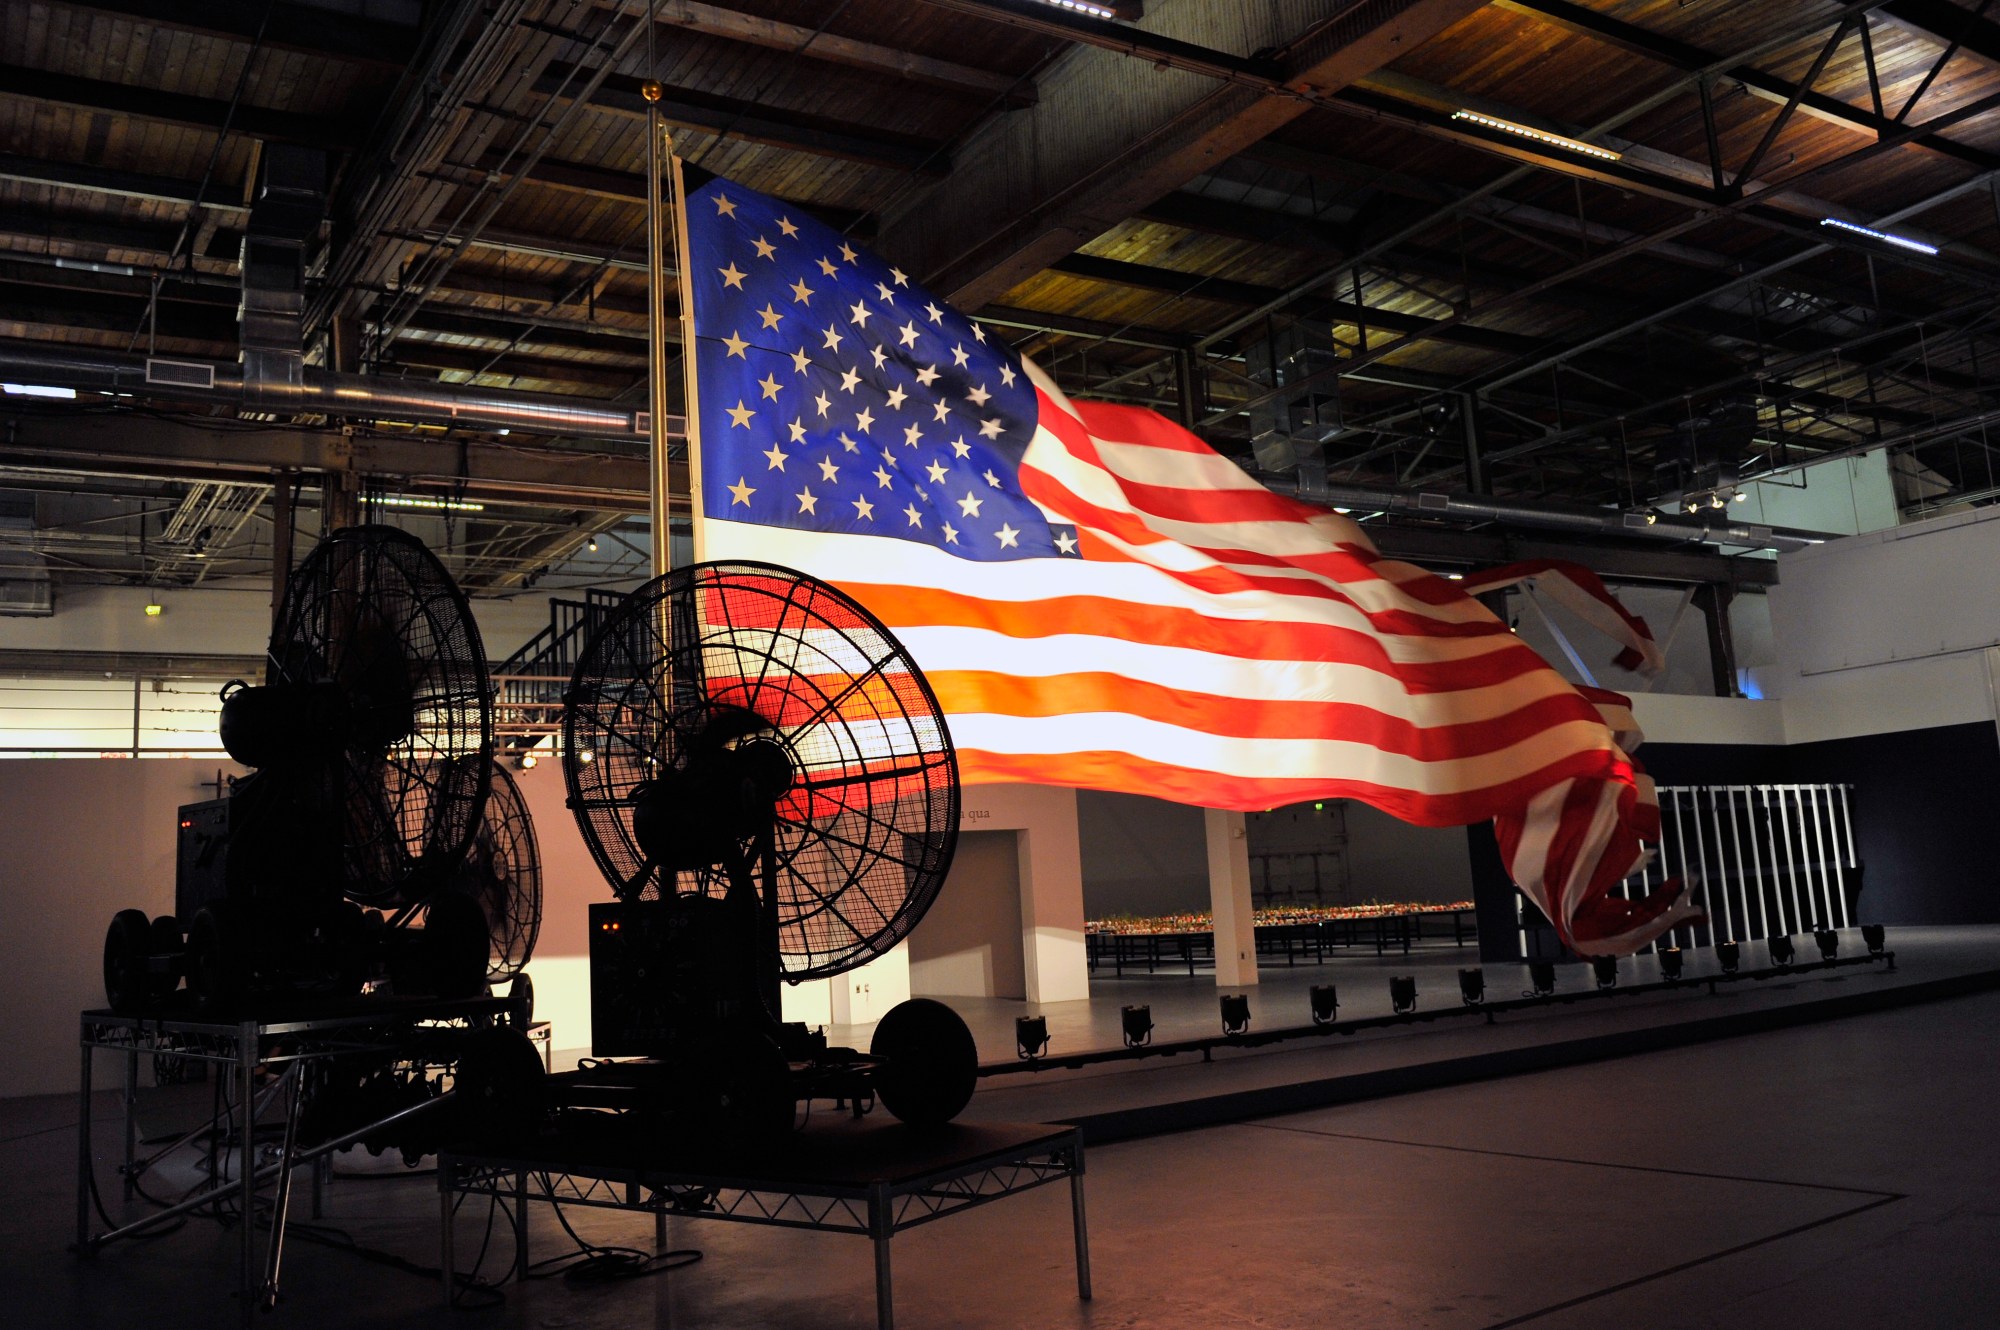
(1155, 786)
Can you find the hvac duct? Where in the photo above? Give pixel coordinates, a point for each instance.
(1547, 516)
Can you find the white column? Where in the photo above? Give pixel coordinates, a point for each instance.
(1229, 899)
(1050, 856)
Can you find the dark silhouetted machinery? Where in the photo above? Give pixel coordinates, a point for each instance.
(767, 783)
(342, 860)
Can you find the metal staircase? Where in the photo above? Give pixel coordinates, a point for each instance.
(530, 683)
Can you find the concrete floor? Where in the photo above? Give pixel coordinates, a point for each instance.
(1836, 1174)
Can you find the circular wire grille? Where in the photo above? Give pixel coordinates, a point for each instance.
(503, 872)
(865, 834)
(373, 613)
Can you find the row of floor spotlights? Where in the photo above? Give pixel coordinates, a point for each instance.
(1031, 1033)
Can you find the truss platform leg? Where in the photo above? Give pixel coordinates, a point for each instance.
(885, 1297)
(130, 1104)
(83, 1160)
(246, 1163)
(1081, 1229)
(446, 1257)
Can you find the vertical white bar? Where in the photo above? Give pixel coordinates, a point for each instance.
(1791, 857)
(1774, 812)
(1701, 850)
(1828, 879)
(1746, 878)
(1733, 891)
(1853, 860)
(1680, 866)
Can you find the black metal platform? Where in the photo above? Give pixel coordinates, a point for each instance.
(839, 1176)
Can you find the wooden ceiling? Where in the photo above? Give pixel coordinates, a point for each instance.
(1275, 222)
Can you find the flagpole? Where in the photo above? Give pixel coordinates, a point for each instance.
(656, 330)
(690, 396)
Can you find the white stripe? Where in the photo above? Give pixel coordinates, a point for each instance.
(939, 650)
(1270, 759)
(856, 563)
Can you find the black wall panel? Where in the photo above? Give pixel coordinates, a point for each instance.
(1926, 808)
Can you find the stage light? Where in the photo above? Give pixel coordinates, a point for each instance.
(1728, 955)
(1902, 242)
(1828, 943)
(1403, 993)
(1541, 979)
(1325, 1003)
(585, 755)
(1235, 1013)
(1875, 936)
(1670, 964)
(154, 609)
(593, 545)
(529, 761)
(1780, 945)
(1606, 970)
(1031, 1036)
(1472, 986)
(1138, 1025)
(1538, 135)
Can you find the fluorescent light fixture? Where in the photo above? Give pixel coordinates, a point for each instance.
(37, 390)
(416, 501)
(1078, 7)
(154, 609)
(1538, 135)
(1901, 242)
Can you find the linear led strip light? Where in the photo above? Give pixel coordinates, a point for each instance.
(1901, 242)
(1078, 7)
(415, 501)
(1538, 135)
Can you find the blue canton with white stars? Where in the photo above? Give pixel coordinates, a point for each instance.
(839, 396)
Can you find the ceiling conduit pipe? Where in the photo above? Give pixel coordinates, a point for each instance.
(1472, 508)
(321, 392)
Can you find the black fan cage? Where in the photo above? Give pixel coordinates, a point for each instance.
(865, 835)
(503, 872)
(373, 613)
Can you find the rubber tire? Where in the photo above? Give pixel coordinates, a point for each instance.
(218, 960)
(929, 1062)
(128, 943)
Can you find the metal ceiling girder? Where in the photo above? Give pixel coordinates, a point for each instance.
(1113, 130)
(1689, 58)
(208, 114)
(309, 29)
(818, 44)
(518, 471)
(620, 95)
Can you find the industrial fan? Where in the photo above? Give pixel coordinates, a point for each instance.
(502, 873)
(767, 783)
(372, 743)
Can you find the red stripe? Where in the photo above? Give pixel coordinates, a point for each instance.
(1100, 616)
(1207, 789)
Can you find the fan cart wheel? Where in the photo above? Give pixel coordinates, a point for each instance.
(929, 1062)
(499, 1085)
(166, 941)
(453, 947)
(218, 959)
(127, 946)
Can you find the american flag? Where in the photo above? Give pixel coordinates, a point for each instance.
(1101, 600)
